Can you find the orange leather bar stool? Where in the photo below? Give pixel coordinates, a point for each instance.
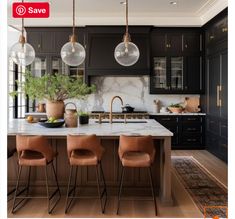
(85, 150)
(136, 152)
(35, 151)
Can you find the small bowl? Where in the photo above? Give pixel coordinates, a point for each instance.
(176, 109)
(56, 124)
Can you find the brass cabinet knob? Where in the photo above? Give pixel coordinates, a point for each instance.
(212, 37)
(186, 46)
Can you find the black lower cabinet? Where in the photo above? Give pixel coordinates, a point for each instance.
(189, 131)
(216, 137)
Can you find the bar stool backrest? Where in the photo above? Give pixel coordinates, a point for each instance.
(34, 143)
(136, 144)
(84, 142)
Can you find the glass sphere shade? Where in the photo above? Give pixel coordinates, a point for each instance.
(73, 54)
(126, 55)
(22, 54)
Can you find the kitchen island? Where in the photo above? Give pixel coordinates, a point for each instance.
(109, 135)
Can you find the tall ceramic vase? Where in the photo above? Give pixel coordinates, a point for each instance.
(55, 109)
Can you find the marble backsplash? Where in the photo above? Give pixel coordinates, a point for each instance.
(133, 91)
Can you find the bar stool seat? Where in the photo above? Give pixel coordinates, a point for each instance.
(84, 158)
(137, 159)
(34, 158)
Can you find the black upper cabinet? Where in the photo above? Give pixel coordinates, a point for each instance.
(192, 42)
(101, 43)
(193, 78)
(176, 60)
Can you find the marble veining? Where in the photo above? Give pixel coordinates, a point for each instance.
(151, 127)
(133, 90)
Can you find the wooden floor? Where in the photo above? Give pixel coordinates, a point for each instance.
(184, 206)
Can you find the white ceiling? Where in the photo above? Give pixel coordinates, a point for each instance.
(141, 12)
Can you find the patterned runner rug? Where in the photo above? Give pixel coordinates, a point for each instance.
(207, 192)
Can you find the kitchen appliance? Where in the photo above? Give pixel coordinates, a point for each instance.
(127, 109)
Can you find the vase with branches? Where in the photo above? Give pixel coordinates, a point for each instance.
(54, 88)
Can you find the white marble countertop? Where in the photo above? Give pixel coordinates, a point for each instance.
(151, 127)
(176, 114)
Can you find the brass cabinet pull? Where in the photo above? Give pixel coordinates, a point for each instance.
(39, 46)
(212, 37)
(225, 29)
(218, 100)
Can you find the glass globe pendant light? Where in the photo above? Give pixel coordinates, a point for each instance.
(22, 53)
(126, 53)
(73, 53)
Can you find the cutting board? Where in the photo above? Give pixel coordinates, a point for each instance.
(192, 104)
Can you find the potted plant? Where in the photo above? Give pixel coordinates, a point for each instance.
(83, 118)
(54, 89)
(176, 108)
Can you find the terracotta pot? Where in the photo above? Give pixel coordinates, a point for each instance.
(55, 109)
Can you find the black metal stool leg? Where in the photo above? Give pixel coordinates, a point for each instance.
(152, 188)
(75, 181)
(28, 183)
(47, 189)
(98, 187)
(120, 189)
(56, 178)
(105, 188)
(68, 189)
(16, 189)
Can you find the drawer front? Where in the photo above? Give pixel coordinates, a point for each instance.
(191, 119)
(163, 119)
(224, 129)
(173, 128)
(192, 128)
(192, 140)
(213, 125)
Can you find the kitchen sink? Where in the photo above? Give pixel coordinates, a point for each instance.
(121, 121)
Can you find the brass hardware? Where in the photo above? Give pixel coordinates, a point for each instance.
(186, 87)
(169, 45)
(111, 108)
(186, 46)
(218, 100)
(225, 29)
(166, 45)
(22, 39)
(212, 37)
(39, 46)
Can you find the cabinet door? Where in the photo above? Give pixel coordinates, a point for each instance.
(158, 43)
(213, 65)
(35, 39)
(174, 43)
(193, 74)
(39, 67)
(224, 84)
(192, 43)
(176, 73)
(159, 77)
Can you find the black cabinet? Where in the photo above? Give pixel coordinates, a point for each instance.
(47, 43)
(189, 131)
(192, 42)
(216, 98)
(176, 61)
(101, 43)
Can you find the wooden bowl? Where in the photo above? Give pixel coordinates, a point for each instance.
(176, 109)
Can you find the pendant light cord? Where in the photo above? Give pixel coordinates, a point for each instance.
(22, 24)
(73, 17)
(127, 17)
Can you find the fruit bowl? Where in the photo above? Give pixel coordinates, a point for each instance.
(176, 109)
(55, 124)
